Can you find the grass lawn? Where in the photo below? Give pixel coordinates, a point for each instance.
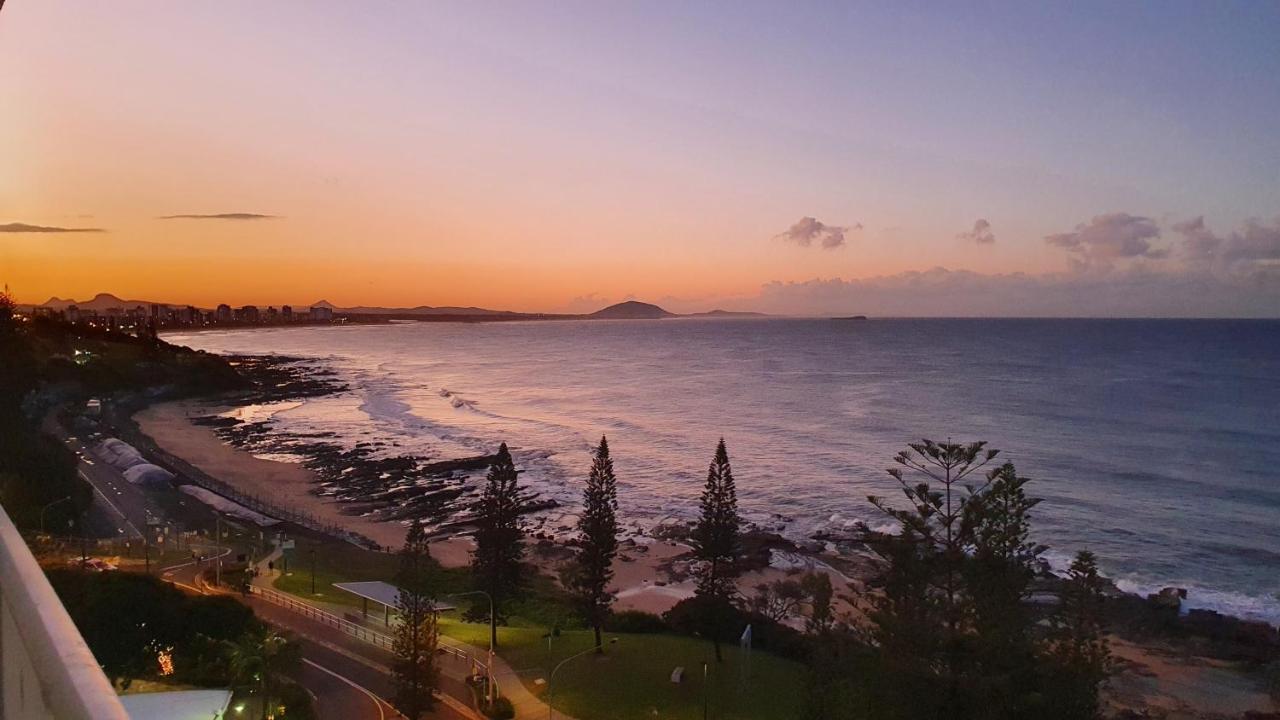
(633, 680)
(334, 562)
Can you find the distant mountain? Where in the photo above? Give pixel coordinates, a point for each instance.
(99, 303)
(419, 310)
(727, 313)
(631, 310)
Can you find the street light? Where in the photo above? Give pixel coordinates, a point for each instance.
(493, 634)
(551, 678)
(46, 507)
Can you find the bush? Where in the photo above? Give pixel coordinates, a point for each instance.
(501, 709)
(636, 621)
(297, 702)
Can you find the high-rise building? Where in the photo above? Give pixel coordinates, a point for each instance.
(286, 312)
(223, 313)
(321, 313)
(250, 314)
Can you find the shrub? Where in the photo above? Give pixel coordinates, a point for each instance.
(636, 621)
(501, 709)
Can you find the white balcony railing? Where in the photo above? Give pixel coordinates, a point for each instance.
(46, 670)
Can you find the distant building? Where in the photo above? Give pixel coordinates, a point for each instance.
(223, 313)
(286, 312)
(250, 314)
(322, 313)
(272, 314)
(73, 313)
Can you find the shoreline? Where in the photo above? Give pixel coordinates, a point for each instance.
(650, 574)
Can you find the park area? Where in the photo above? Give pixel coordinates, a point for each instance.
(630, 681)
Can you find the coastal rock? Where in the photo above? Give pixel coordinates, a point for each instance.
(1169, 597)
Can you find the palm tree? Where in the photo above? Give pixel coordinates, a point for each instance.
(258, 657)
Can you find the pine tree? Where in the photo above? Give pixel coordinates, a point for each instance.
(416, 633)
(1079, 655)
(717, 544)
(922, 621)
(598, 538)
(1002, 563)
(499, 537)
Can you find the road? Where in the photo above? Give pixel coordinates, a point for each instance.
(337, 670)
(348, 677)
(120, 506)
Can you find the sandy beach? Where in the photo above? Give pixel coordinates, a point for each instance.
(642, 579)
(285, 484)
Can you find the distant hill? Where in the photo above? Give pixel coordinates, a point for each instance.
(631, 310)
(727, 313)
(99, 303)
(419, 310)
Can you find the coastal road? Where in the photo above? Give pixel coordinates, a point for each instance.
(349, 679)
(121, 505)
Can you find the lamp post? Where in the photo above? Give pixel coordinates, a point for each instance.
(46, 507)
(551, 678)
(493, 633)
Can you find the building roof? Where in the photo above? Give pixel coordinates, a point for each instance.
(381, 593)
(177, 705)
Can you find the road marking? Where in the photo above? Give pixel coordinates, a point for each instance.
(377, 701)
(107, 500)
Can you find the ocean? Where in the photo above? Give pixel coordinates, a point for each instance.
(1153, 443)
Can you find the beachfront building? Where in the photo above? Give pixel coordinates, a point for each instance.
(223, 313)
(320, 312)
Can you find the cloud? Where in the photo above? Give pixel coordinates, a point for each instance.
(1108, 238)
(220, 216)
(807, 229)
(939, 292)
(980, 234)
(1250, 254)
(25, 228)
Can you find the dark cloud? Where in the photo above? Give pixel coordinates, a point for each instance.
(1108, 238)
(808, 229)
(220, 216)
(25, 228)
(980, 234)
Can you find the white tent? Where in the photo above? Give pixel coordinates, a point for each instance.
(148, 475)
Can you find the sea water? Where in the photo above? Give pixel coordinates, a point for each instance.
(1153, 443)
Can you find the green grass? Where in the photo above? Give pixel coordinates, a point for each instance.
(633, 679)
(631, 682)
(334, 562)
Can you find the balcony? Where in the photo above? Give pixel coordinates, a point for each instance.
(46, 669)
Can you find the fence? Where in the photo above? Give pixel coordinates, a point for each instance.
(126, 429)
(356, 630)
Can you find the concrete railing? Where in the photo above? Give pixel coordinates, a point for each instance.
(46, 669)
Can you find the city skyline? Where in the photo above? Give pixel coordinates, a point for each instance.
(1049, 161)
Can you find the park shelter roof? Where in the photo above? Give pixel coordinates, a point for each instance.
(381, 593)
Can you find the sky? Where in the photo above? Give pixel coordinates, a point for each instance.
(807, 158)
